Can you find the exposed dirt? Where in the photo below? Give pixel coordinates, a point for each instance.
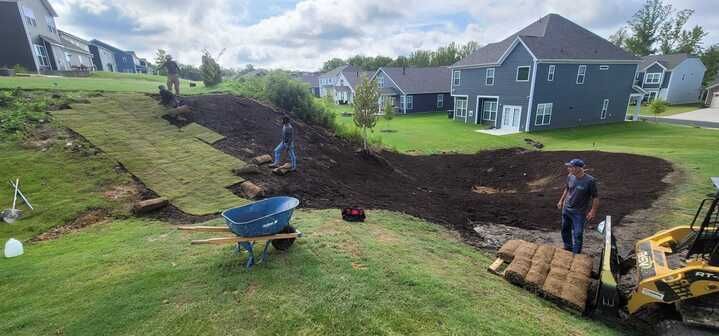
(86, 219)
(512, 187)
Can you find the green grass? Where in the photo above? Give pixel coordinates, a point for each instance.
(671, 109)
(174, 163)
(102, 81)
(393, 275)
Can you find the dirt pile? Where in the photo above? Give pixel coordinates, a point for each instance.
(513, 187)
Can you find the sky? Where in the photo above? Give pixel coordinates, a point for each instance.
(301, 35)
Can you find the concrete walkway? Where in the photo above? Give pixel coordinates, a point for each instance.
(707, 117)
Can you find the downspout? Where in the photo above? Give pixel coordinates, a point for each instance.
(531, 96)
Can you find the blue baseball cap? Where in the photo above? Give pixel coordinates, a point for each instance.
(575, 163)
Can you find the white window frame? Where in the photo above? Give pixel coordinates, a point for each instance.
(68, 57)
(460, 111)
(487, 76)
(51, 26)
(550, 73)
(581, 73)
(29, 16)
(650, 93)
(380, 80)
(409, 102)
(491, 113)
(605, 107)
(516, 77)
(440, 101)
(543, 117)
(456, 78)
(658, 78)
(41, 53)
(603, 67)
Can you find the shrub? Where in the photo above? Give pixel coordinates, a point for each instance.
(18, 112)
(211, 72)
(20, 69)
(295, 97)
(658, 106)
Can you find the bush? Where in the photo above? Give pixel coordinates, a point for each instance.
(18, 112)
(211, 72)
(295, 97)
(20, 69)
(658, 106)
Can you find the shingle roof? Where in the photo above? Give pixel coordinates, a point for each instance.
(552, 37)
(335, 71)
(353, 75)
(311, 78)
(64, 44)
(420, 80)
(667, 61)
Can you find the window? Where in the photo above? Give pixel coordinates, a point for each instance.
(605, 107)
(523, 74)
(460, 106)
(653, 78)
(51, 26)
(550, 74)
(684, 76)
(380, 80)
(652, 95)
(489, 110)
(581, 72)
(409, 101)
(29, 16)
(456, 77)
(489, 77)
(68, 57)
(544, 114)
(603, 67)
(41, 54)
(440, 101)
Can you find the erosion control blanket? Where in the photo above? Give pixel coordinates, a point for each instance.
(558, 275)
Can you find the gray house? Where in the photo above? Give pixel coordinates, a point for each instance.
(103, 58)
(551, 74)
(676, 78)
(77, 55)
(31, 39)
(413, 90)
(345, 84)
(328, 80)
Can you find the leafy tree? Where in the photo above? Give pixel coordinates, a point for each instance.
(645, 26)
(365, 107)
(211, 72)
(190, 72)
(160, 57)
(674, 39)
(657, 107)
(420, 58)
(619, 38)
(710, 58)
(294, 96)
(467, 49)
(333, 63)
(691, 41)
(388, 110)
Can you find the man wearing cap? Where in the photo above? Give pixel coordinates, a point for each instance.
(578, 203)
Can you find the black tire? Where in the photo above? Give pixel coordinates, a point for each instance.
(284, 244)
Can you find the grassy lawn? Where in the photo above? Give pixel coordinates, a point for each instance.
(671, 109)
(175, 164)
(101, 81)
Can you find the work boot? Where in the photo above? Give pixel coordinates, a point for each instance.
(273, 165)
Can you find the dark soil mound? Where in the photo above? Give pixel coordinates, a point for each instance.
(513, 187)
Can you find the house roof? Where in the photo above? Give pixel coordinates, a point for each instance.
(311, 78)
(668, 61)
(63, 44)
(553, 37)
(62, 32)
(336, 71)
(420, 80)
(105, 45)
(353, 75)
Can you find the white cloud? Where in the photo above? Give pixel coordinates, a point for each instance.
(304, 35)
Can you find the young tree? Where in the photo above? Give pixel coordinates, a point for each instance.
(211, 72)
(365, 107)
(388, 110)
(645, 25)
(657, 107)
(160, 57)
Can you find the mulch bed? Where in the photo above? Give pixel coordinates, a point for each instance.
(513, 187)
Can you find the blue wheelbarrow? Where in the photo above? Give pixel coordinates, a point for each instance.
(267, 220)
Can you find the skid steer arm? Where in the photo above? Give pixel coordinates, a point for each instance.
(607, 299)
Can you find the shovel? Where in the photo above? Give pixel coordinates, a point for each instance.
(22, 195)
(11, 215)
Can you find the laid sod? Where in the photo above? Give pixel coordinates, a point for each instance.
(392, 275)
(202, 133)
(129, 128)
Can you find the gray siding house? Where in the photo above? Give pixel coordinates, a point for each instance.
(77, 55)
(551, 74)
(345, 84)
(31, 39)
(412, 90)
(676, 78)
(328, 80)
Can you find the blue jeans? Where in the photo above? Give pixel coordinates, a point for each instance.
(290, 148)
(573, 229)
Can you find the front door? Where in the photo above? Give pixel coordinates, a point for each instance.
(510, 117)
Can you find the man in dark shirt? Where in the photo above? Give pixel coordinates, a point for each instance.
(167, 98)
(173, 71)
(287, 143)
(578, 203)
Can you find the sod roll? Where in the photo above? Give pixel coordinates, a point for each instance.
(517, 270)
(574, 297)
(506, 252)
(536, 276)
(562, 259)
(582, 264)
(544, 254)
(526, 250)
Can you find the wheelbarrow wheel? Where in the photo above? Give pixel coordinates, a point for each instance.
(284, 244)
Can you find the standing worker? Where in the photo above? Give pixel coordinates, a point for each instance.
(287, 143)
(579, 203)
(173, 71)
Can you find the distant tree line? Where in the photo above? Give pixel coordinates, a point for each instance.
(442, 56)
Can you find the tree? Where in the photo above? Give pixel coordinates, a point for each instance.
(211, 72)
(674, 39)
(388, 110)
(333, 63)
(160, 58)
(710, 58)
(645, 25)
(619, 38)
(690, 42)
(365, 107)
(657, 107)
(467, 49)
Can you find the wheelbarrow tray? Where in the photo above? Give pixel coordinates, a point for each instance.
(266, 217)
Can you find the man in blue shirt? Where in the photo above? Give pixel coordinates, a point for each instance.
(287, 143)
(578, 203)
